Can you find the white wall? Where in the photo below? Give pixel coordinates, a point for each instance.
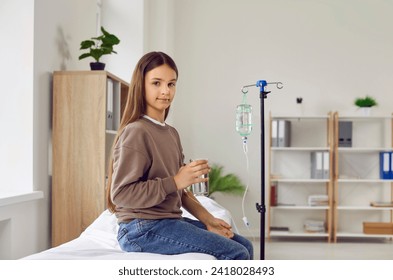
(16, 166)
(16, 114)
(327, 52)
(125, 19)
(46, 36)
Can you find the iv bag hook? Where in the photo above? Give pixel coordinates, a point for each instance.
(261, 84)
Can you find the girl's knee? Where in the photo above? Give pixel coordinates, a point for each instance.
(244, 254)
(244, 251)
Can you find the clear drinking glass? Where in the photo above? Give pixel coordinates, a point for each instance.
(201, 188)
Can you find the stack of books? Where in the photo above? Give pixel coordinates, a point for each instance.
(318, 200)
(314, 226)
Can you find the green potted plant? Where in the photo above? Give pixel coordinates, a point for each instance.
(228, 183)
(97, 47)
(365, 104)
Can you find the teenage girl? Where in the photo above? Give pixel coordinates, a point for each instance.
(148, 178)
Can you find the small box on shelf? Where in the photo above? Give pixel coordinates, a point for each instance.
(377, 228)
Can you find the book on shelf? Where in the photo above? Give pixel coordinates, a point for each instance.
(382, 203)
(273, 194)
(284, 229)
(318, 200)
(314, 226)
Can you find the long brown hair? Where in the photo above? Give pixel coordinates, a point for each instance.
(136, 103)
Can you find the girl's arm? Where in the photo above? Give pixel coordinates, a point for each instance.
(213, 224)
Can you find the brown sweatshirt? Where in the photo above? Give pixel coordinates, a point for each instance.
(146, 158)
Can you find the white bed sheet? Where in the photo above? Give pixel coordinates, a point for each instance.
(99, 241)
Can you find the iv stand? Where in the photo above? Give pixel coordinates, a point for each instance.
(261, 208)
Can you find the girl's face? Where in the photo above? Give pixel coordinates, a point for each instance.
(160, 88)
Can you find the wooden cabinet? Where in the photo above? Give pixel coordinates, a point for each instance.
(300, 201)
(81, 145)
(357, 180)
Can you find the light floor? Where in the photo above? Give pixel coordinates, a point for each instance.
(357, 249)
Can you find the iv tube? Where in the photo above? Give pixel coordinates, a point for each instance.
(245, 220)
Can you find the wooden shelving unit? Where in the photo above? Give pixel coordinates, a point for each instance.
(353, 183)
(289, 170)
(356, 178)
(81, 146)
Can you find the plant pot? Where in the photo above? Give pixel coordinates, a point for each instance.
(97, 66)
(365, 111)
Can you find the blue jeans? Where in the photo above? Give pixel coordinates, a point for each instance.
(178, 236)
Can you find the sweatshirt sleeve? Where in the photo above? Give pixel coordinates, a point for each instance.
(130, 188)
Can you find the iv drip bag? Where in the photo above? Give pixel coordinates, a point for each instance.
(244, 119)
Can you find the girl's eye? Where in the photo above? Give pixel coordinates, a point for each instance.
(172, 85)
(156, 83)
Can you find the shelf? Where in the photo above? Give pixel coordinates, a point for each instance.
(363, 150)
(297, 234)
(366, 118)
(305, 117)
(300, 207)
(306, 149)
(307, 181)
(363, 235)
(13, 198)
(364, 181)
(113, 132)
(364, 208)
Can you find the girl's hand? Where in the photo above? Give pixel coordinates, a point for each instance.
(220, 227)
(190, 174)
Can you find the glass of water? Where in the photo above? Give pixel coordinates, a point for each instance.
(201, 188)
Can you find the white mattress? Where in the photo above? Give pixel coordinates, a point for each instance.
(99, 241)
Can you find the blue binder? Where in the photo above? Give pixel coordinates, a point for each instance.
(385, 165)
(391, 165)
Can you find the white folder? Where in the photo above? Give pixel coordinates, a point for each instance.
(274, 133)
(326, 165)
